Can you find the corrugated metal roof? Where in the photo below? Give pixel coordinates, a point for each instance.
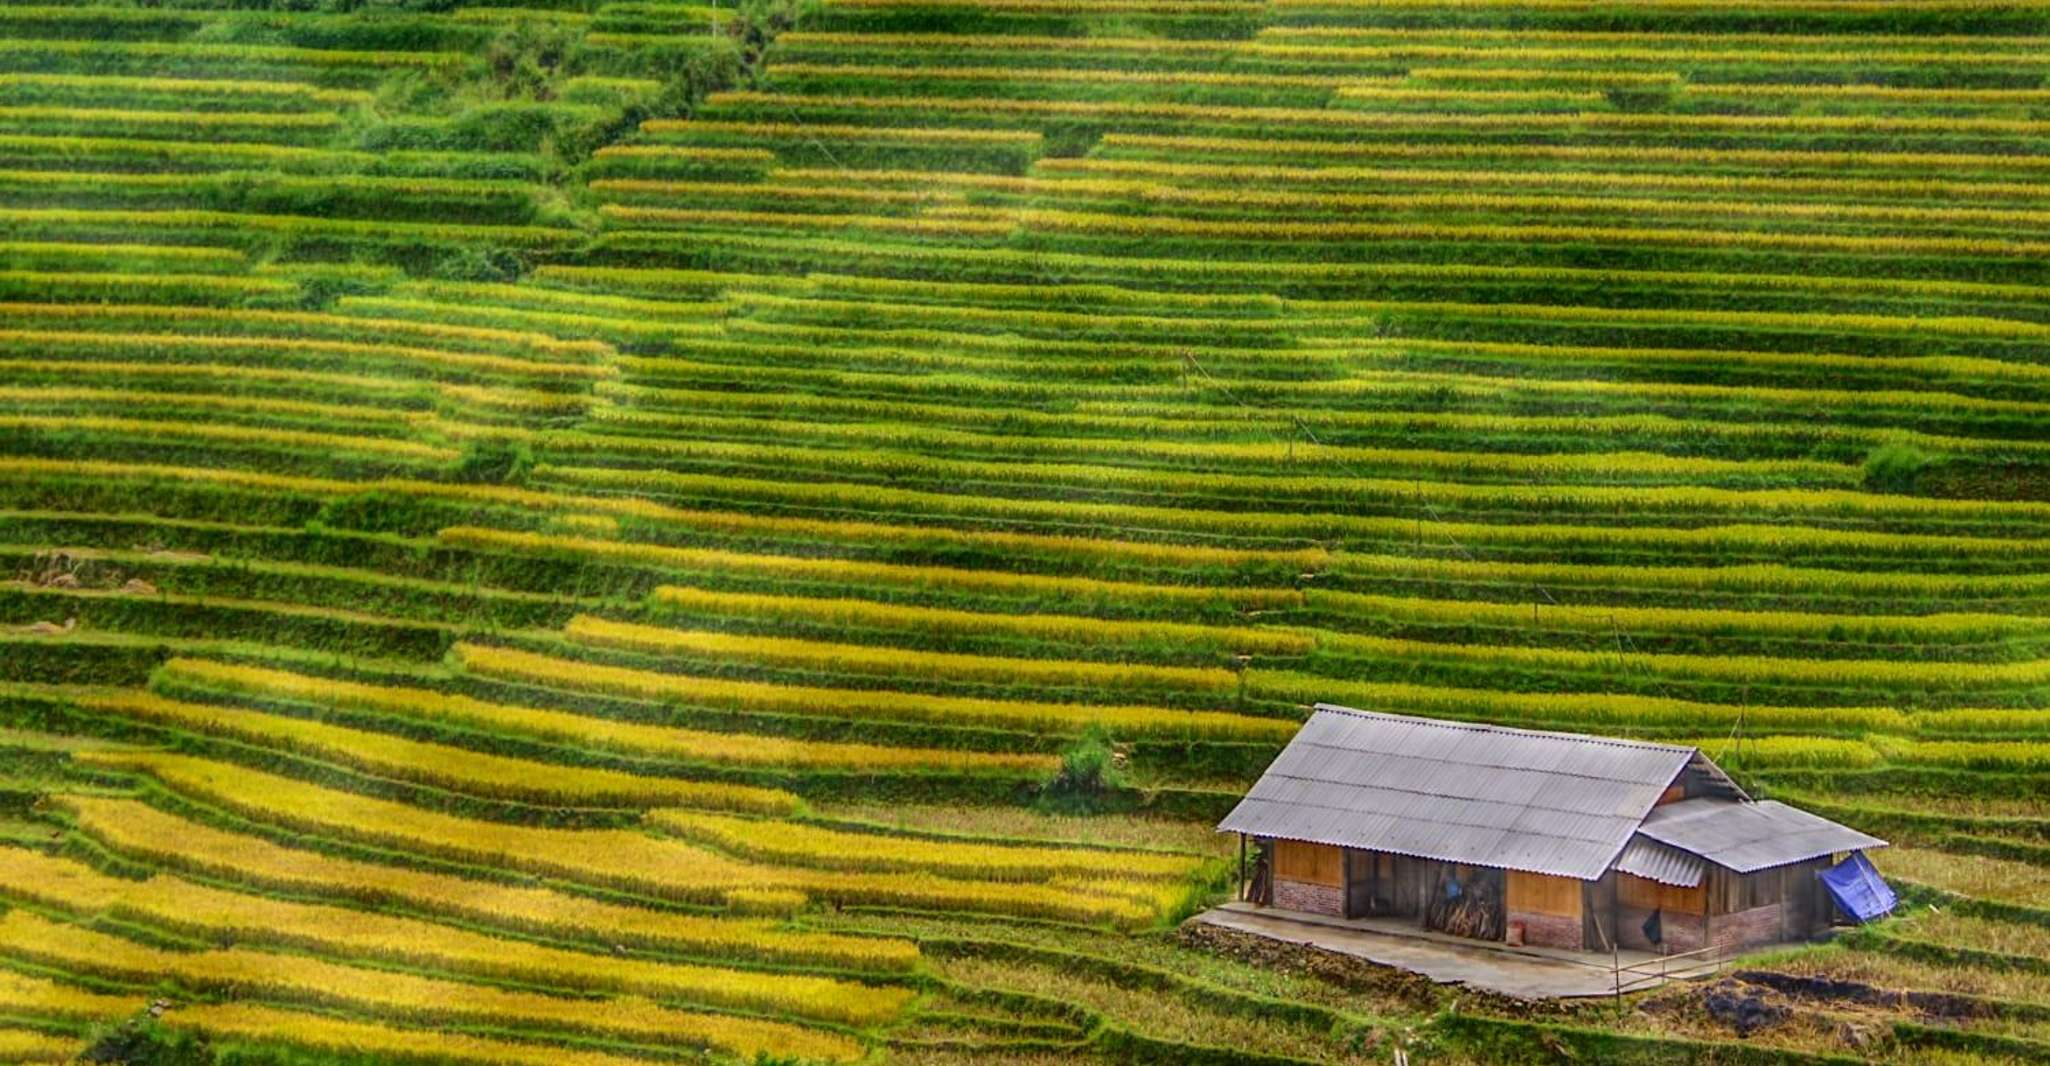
(1648, 858)
(1751, 836)
(1554, 803)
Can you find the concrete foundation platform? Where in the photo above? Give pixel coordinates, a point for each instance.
(1521, 972)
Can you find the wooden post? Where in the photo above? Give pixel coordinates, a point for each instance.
(1242, 866)
(1718, 891)
(1616, 968)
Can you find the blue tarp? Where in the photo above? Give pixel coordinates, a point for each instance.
(1858, 888)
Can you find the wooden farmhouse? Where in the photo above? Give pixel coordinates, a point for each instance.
(1551, 839)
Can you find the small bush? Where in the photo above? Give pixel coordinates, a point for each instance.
(1089, 776)
(526, 60)
(494, 462)
(476, 263)
(1897, 468)
(140, 1042)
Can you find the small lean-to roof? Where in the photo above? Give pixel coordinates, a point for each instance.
(1649, 859)
(1551, 803)
(1750, 836)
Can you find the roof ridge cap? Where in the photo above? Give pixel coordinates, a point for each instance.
(1453, 723)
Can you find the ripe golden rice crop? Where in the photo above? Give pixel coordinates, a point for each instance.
(312, 94)
(835, 658)
(1160, 227)
(147, 344)
(829, 132)
(36, 997)
(175, 903)
(1757, 669)
(1184, 174)
(229, 435)
(1268, 117)
(244, 1021)
(1987, 755)
(688, 744)
(1754, 753)
(1535, 618)
(621, 859)
(1934, 163)
(402, 996)
(841, 572)
(129, 221)
(29, 1045)
(806, 845)
(170, 120)
(458, 769)
(134, 828)
(1578, 710)
(527, 667)
(1070, 628)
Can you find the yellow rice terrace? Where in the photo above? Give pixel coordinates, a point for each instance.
(630, 532)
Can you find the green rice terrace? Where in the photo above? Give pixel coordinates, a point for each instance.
(602, 533)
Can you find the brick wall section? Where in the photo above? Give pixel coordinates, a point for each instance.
(1759, 925)
(1308, 898)
(1549, 930)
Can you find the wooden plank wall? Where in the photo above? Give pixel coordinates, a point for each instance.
(1530, 893)
(1317, 864)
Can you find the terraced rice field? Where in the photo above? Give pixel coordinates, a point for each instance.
(579, 532)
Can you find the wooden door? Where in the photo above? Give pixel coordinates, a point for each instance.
(1598, 910)
(1361, 882)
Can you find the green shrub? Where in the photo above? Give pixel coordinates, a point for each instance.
(1089, 776)
(477, 263)
(148, 1043)
(494, 462)
(1897, 467)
